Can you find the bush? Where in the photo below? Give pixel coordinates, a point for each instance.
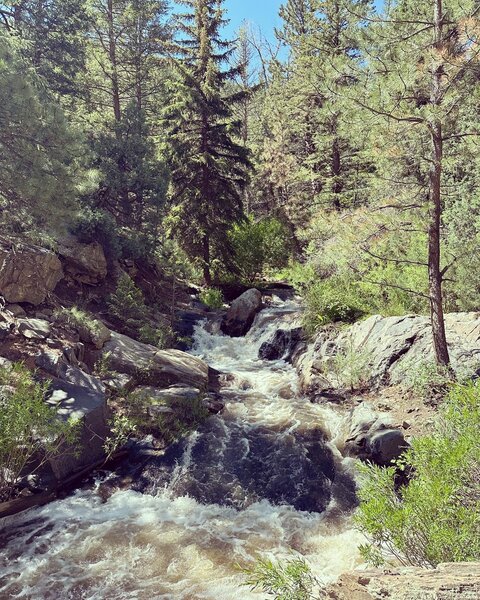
(185, 415)
(351, 367)
(30, 430)
(331, 301)
(127, 304)
(259, 246)
(99, 226)
(427, 379)
(78, 319)
(288, 580)
(435, 518)
(121, 430)
(212, 297)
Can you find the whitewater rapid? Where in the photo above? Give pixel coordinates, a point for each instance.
(236, 491)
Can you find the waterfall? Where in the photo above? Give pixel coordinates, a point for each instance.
(262, 478)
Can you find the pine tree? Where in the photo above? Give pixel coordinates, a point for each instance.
(209, 164)
(314, 156)
(38, 154)
(124, 87)
(54, 34)
(423, 69)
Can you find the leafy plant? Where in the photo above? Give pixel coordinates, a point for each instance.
(427, 379)
(434, 518)
(350, 367)
(288, 580)
(31, 432)
(121, 430)
(127, 304)
(331, 301)
(212, 297)
(102, 366)
(259, 246)
(161, 337)
(78, 319)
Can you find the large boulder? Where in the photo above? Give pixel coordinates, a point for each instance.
(55, 364)
(241, 313)
(34, 329)
(27, 273)
(89, 407)
(371, 437)
(85, 263)
(160, 368)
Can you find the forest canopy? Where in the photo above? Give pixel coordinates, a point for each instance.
(147, 129)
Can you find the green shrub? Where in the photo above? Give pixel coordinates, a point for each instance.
(161, 337)
(435, 518)
(212, 297)
(351, 367)
(127, 304)
(427, 379)
(79, 320)
(30, 429)
(258, 247)
(331, 301)
(122, 428)
(287, 580)
(184, 415)
(99, 226)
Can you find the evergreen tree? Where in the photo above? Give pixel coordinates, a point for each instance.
(38, 154)
(314, 155)
(54, 34)
(123, 91)
(423, 71)
(209, 164)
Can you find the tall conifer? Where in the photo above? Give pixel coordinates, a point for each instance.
(209, 161)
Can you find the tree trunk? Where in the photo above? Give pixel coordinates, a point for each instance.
(112, 47)
(435, 276)
(207, 276)
(336, 170)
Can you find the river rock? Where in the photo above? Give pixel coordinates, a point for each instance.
(97, 334)
(281, 345)
(241, 313)
(159, 368)
(34, 329)
(85, 263)
(16, 310)
(27, 273)
(90, 408)
(450, 581)
(372, 438)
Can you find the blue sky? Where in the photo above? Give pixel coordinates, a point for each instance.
(263, 13)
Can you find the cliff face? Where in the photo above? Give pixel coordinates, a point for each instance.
(452, 581)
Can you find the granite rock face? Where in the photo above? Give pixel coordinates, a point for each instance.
(158, 368)
(388, 347)
(28, 273)
(84, 263)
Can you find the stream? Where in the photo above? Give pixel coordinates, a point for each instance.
(264, 478)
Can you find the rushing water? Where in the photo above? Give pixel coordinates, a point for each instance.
(263, 478)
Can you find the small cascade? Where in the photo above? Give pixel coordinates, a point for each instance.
(262, 478)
